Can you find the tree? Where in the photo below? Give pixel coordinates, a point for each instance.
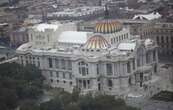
(55, 104)
(64, 101)
(8, 99)
(18, 83)
(75, 94)
(106, 101)
(29, 105)
(87, 102)
(72, 106)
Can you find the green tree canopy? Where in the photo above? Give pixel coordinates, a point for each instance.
(65, 101)
(18, 83)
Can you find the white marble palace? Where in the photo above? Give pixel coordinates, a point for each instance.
(108, 61)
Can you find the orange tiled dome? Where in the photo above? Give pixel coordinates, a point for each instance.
(96, 42)
(108, 26)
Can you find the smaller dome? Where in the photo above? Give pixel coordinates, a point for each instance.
(108, 27)
(96, 42)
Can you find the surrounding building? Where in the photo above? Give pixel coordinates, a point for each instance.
(77, 13)
(4, 27)
(108, 60)
(18, 37)
(6, 53)
(150, 16)
(162, 33)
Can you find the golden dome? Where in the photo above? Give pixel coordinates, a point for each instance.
(108, 27)
(96, 42)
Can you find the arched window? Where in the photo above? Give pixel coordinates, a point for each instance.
(83, 68)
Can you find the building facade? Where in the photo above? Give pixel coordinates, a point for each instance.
(18, 37)
(78, 13)
(162, 33)
(108, 60)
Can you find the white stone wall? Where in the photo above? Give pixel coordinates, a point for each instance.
(48, 37)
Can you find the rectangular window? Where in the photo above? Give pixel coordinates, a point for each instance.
(111, 40)
(97, 68)
(137, 77)
(57, 63)
(134, 64)
(80, 83)
(31, 37)
(109, 68)
(155, 68)
(84, 84)
(138, 62)
(22, 61)
(88, 83)
(157, 38)
(83, 71)
(127, 35)
(50, 62)
(51, 74)
(62, 64)
(80, 72)
(71, 83)
(147, 57)
(162, 39)
(83, 68)
(154, 55)
(70, 75)
(63, 75)
(38, 63)
(167, 39)
(34, 60)
(172, 39)
(26, 62)
(69, 64)
(57, 74)
(48, 38)
(128, 67)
